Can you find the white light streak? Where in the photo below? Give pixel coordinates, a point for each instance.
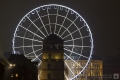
(35, 26)
(49, 19)
(76, 38)
(42, 22)
(30, 31)
(76, 53)
(33, 52)
(72, 32)
(28, 38)
(56, 18)
(73, 60)
(27, 46)
(69, 26)
(70, 69)
(63, 21)
(76, 46)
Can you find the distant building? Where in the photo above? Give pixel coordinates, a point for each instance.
(111, 67)
(2, 69)
(21, 68)
(93, 71)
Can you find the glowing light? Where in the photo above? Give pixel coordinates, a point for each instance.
(61, 8)
(55, 7)
(10, 65)
(33, 12)
(16, 74)
(44, 8)
(38, 10)
(49, 7)
(72, 12)
(66, 10)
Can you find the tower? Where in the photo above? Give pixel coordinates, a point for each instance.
(52, 58)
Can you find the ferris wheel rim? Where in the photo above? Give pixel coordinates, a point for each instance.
(91, 51)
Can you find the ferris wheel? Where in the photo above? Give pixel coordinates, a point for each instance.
(67, 24)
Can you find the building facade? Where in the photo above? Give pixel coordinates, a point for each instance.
(111, 67)
(93, 71)
(52, 66)
(21, 68)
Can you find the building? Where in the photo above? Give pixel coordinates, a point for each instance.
(52, 58)
(111, 67)
(93, 71)
(2, 69)
(21, 68)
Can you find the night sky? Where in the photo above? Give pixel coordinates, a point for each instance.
(103, 17)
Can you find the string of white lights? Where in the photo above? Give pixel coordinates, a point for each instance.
(27, 46)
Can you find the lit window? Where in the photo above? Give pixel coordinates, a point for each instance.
(10, 65)
(16, 75)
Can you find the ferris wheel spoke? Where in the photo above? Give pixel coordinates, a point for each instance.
(63, 21)
(42, 22)
(75, 53)
(35, 59)
(76, 38)
(35, 25)
(76, 46)
(73, 60)
(65, 76)
(69, 26)
(56, 19)
(70, 69)
(27, 46)
(39, 65)
(33, 52)
(73, 31)
(49, 19)
(28, 38)
(38, 56)
(31, 32)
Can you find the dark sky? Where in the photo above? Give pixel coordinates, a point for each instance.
(103, 17)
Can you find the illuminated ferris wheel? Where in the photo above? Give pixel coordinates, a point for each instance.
(67, 24)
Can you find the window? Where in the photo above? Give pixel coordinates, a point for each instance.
(49, 76)
(49, 66)
(49, 56)
(16, 74)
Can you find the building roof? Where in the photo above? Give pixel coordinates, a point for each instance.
(20, 60)
(53, 37)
